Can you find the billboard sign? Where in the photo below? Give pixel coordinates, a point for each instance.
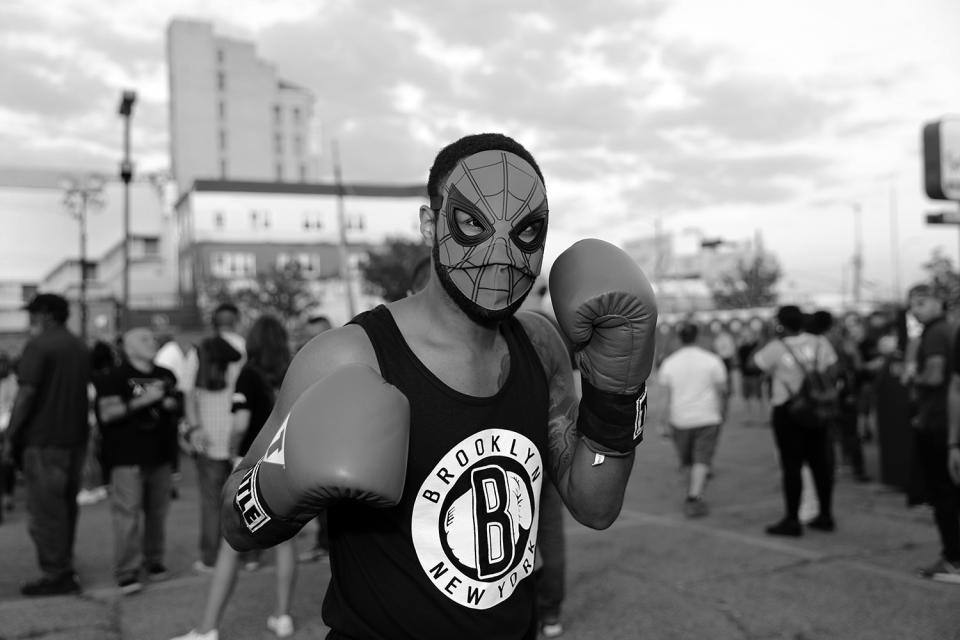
(941, 159)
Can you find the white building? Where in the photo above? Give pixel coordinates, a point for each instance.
(231, 116)
(229, 232)
(13, 296)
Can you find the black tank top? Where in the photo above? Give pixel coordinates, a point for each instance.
(454, 559)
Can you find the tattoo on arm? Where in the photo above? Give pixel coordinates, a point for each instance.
(561, 432)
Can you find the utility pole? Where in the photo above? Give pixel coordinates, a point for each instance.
(895, 241)
(127, 100)
(341, 224)
(857, 254)
(78, 199)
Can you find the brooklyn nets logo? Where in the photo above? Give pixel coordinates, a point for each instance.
(475, 518)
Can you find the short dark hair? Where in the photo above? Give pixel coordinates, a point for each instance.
(448, 157)
(688, 333)
(923, 290)
(316, 319)
(820, 322)
(791, 317)
(224, 307)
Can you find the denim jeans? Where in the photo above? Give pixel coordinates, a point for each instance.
(135, 490)
(52, 478)
(211, 476)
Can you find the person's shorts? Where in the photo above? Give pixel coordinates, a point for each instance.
(752, 386)
(696, 445)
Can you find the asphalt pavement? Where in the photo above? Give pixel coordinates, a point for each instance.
(653, 575)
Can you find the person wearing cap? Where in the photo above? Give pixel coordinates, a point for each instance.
(47, 438)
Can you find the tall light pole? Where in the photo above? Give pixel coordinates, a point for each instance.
(857, 254)
(342, 239)
(78, 199)
(127, 100)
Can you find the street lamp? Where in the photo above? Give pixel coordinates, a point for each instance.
(127, 100)
(78, 198)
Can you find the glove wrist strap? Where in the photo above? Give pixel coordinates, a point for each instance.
(612, 420)
(260, 522)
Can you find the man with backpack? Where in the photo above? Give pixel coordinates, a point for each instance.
(799, 364)
(212, 368)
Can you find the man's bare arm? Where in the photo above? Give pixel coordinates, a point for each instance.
(591, 485)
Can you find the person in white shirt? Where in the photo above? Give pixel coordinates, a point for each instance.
(210, 373)
(696, 386)
(798, 444)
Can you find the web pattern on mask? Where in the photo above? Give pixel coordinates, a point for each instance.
(496, 198)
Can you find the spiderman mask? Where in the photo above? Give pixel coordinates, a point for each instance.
(491, 225)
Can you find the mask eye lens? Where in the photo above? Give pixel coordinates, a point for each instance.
(467, 223)
(530, 232)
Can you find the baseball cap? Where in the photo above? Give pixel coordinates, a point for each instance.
(48, 303)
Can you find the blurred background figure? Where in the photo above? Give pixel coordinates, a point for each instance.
(846, 374)
(139, 408)
(929, 382)
(315, 324)
(211, 372)
(268, 356)
(174, 356)
(47, 437)
(104, 358)
(798, 444)
(751, 377)
(8, 393)
(696, 385)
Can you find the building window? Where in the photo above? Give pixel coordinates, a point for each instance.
(151, 246)
(223, 168)
(279, 172)
(218, 220)
(296, 115)
(253, 218)
(303, 172)
(222, 109)
(277, 115)
(221, 80)
(312, 221)
(223, 140)
(266, 219)
(229, 264)
(298, 145)
(278, 143)
(283, 259)
(219, 56)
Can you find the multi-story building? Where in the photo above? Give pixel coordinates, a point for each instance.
(13, 319)
(231, 116)
(230, 232)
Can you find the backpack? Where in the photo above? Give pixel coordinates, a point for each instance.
(815, 405)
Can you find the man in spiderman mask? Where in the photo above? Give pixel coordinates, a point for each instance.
(426, 426)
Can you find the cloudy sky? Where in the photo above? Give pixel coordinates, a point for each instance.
(714, 117)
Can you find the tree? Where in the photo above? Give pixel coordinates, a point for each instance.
(751, 284)
(387, 269)
(284, 292)
(942, 277)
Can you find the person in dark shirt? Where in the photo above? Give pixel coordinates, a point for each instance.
(930, 384)
(47, 437)
(268, 356)
(138, 407)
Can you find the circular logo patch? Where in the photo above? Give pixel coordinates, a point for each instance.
(475, 518)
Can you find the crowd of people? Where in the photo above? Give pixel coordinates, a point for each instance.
(469, 385)
(815, 377)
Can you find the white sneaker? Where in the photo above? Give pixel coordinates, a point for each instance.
(202, 568)
(193, 635)
(552, 629)
(280, 625)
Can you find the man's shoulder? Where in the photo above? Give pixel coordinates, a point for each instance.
(344, 345)
(544, 335)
